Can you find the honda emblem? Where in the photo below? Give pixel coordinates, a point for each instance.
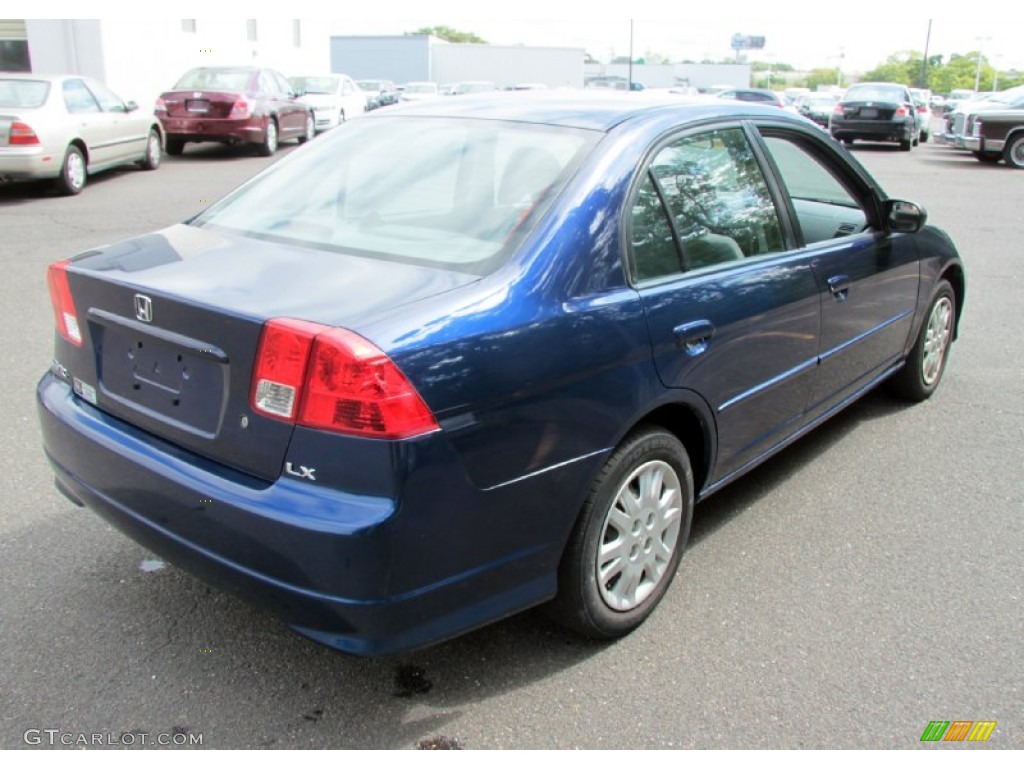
(143, 308)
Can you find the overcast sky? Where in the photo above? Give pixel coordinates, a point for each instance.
(858, 34)
(805, 34)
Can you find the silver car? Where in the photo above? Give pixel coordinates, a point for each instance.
(66, 127)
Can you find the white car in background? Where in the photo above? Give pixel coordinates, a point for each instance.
(419, 91)
(68, 127)
(334, 98)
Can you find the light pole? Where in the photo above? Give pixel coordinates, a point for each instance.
(977, 72)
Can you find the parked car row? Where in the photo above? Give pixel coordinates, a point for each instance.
(991, 127)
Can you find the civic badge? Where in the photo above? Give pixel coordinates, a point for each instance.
(143, 308)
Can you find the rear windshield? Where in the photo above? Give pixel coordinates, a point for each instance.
(25, 94)
(874, 93)
(215, 80)
(451, 193)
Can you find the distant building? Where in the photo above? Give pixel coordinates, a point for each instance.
(701, 76)
(408, 58)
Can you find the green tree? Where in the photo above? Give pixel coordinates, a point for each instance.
(822, 76)
(903, 67)
(449, 34)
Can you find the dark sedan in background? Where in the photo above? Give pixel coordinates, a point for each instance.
(998, 135)
(877, 112)
(478, 354)
(249, 105)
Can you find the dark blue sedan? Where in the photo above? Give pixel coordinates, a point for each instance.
(474, 355)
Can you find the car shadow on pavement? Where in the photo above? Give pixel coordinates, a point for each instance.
(106, 637)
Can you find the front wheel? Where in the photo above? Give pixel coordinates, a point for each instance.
(626, 546)
(920, 376)
(1014, 151)
(72, 172)
(154, 152)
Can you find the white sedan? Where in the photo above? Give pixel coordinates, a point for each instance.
(67, 127)
(334, 98)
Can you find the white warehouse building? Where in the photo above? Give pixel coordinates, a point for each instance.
(139, 59)
(408, 58)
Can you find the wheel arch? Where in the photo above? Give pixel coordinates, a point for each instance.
(693, 427)
(81, 145)
(954, 275)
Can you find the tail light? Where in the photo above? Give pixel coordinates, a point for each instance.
(22, 134)
(160, 106)
(241, 109)
(63, 306)
(901, 112)
(838, 109)
(922, 109)
(333, 379)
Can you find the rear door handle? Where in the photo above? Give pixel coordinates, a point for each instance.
(839, 287)
(694, 337)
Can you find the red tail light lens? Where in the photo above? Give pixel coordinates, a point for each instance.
(280, 368)
(838, 110)
(901, 112)
(922, 109)
(242, 109)
(160, 106)
(339, 381)
(64, 314)
(22, 134)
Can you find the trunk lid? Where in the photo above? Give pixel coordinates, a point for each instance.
(172, 320)
(200, 103)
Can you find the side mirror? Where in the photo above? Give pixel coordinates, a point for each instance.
(130, 106)
(902, 216)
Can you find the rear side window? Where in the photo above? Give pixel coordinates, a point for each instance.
(706, 191)
(79, 99)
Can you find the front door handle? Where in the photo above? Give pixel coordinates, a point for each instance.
(694, 337)
(839, 287)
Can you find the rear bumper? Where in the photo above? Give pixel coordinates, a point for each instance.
(365, 575)
(871, 131)
(250, 130)
(26, 163)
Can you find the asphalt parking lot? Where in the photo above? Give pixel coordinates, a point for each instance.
(861, 584)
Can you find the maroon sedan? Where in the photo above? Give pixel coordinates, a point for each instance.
(250, 105)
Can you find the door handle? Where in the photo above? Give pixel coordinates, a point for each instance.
(694, 337)
(839, 287)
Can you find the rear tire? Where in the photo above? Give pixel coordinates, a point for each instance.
(175, 147)
(630, 535)
(269, 145)
(905, 145)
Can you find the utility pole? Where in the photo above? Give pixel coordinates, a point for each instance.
(630, 55)
(924, 63)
